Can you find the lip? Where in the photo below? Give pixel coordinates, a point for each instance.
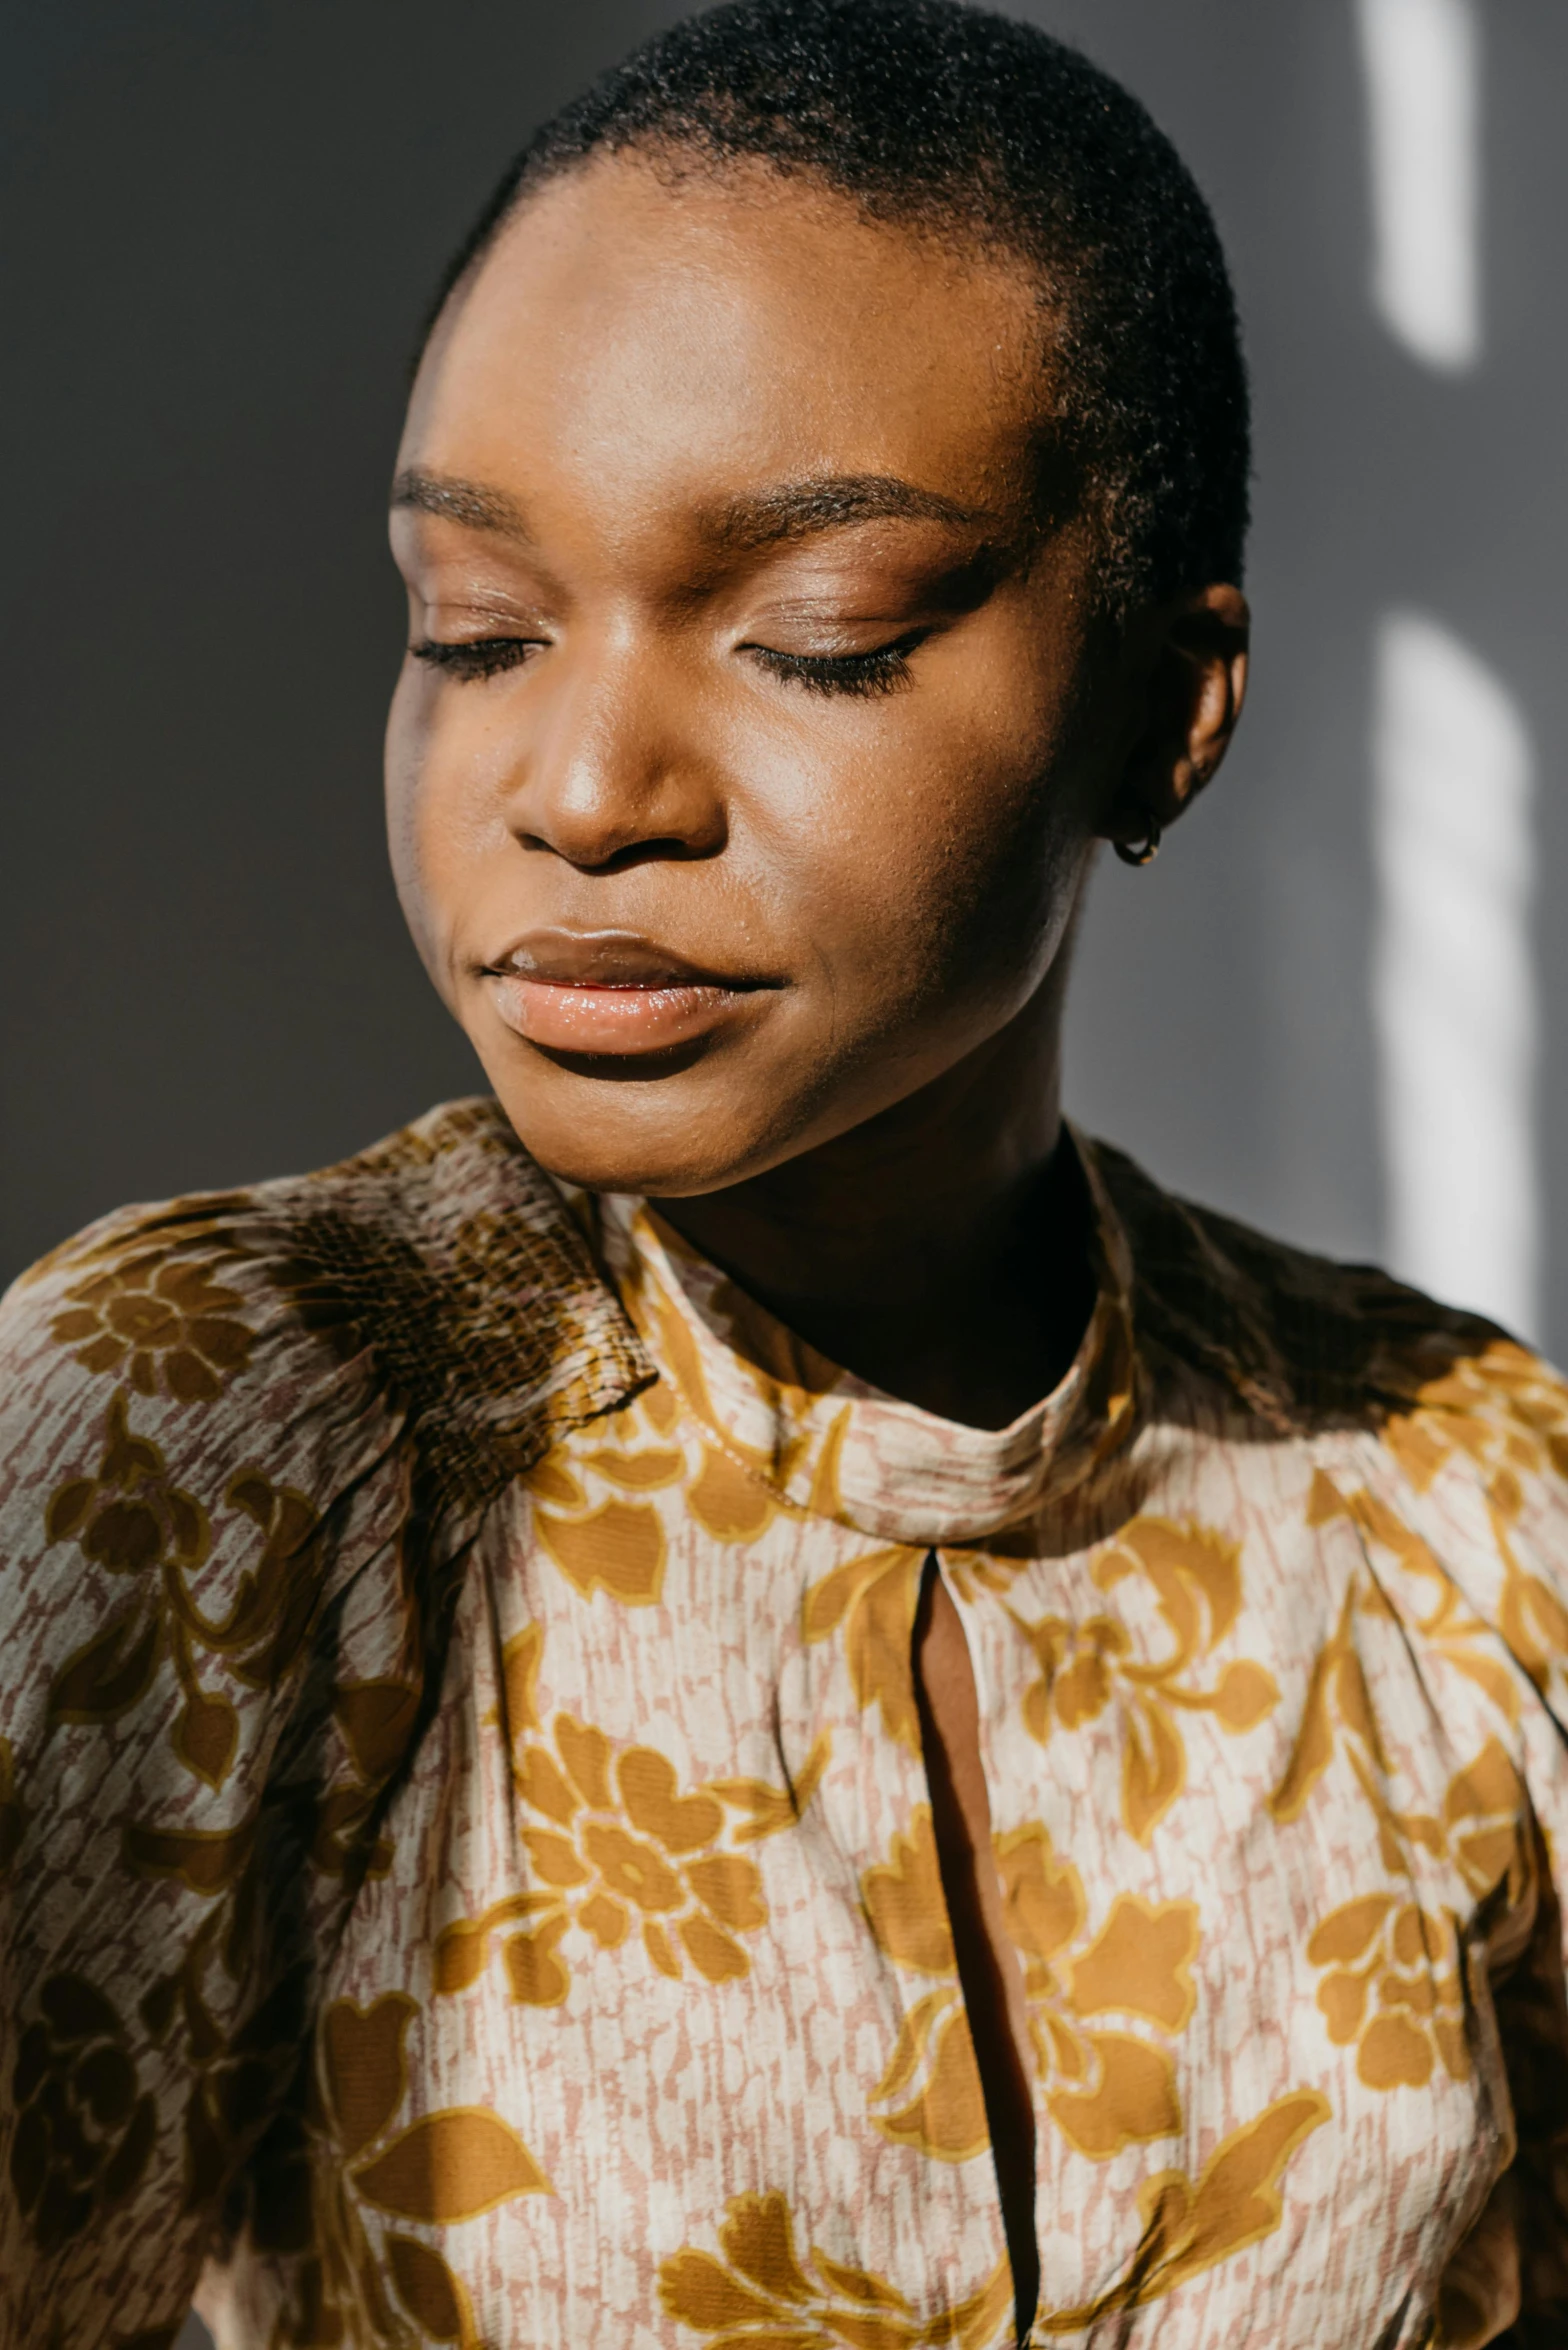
(610, 992)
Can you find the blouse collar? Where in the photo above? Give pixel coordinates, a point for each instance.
(827, 1442)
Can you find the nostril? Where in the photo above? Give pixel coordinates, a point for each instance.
(667, 848)
(600, 813)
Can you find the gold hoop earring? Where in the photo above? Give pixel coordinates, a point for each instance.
(1141, 852)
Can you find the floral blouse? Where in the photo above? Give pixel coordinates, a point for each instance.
(466, 1867)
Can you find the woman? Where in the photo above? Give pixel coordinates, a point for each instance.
(917, 1743)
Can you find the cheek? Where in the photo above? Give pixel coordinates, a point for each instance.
(406, 751)
(940, 854)
(444, 791)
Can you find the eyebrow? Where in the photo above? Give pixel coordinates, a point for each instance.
(794, 510)
(802, 509)
(472, 503)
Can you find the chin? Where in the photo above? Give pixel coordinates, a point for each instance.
(653, 1136)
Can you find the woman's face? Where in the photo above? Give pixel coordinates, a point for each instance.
(748, 755)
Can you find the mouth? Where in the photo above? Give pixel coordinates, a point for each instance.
(610, 992)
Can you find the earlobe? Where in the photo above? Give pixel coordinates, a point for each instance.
(1141, 852)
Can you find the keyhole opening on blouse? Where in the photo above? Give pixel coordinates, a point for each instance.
(988, 1968)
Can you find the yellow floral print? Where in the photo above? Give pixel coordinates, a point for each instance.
(765, 2294)
(734, 1494)
(1104, 2085)
(1479, 1827)
(1393, 1991)
(616, 1847)
(130, 1519)
(437, 2171)
(1499, 1406)
(1193, 1576)
(1104, 2088)
(1338, 1715)
(599, 1540)
(233, 1622)
(738, 1493)
(82, 2132)
(592, 1524)
(1193, 2224)
(1451, 1628)
(1508, 1412)
(428, 2290)
(761, 2293)
(874, 1598)
(160, 1321)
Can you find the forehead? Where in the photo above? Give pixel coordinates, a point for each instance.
(634, 336)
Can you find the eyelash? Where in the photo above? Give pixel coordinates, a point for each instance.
(485, 656)
(878, 672)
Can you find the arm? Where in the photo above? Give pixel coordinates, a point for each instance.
(189, 1485)
(1486, 1450)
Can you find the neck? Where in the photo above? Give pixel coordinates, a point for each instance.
(940, 1249)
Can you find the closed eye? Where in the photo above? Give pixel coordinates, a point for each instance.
(881, 671)
(480, 657)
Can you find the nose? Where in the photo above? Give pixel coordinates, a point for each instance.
(614, 770)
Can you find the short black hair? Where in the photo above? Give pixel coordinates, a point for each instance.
(956, 120)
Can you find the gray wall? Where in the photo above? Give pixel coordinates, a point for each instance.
(220, 227)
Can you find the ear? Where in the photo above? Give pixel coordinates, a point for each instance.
(1194, 669)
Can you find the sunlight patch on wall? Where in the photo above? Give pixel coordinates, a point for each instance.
(1421, 59)
(1453, 985)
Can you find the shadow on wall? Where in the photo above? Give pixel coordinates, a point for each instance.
(1365, 1029)
(203, 975)
(1323, 1009)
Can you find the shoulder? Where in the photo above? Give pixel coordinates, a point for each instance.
(241, 1439)
(1295, 1340)
(433, 1282)
(1438, 1434)
(218, 1414)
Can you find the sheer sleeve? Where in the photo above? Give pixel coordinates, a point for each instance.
(1484, 1464)
(205, 1665)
